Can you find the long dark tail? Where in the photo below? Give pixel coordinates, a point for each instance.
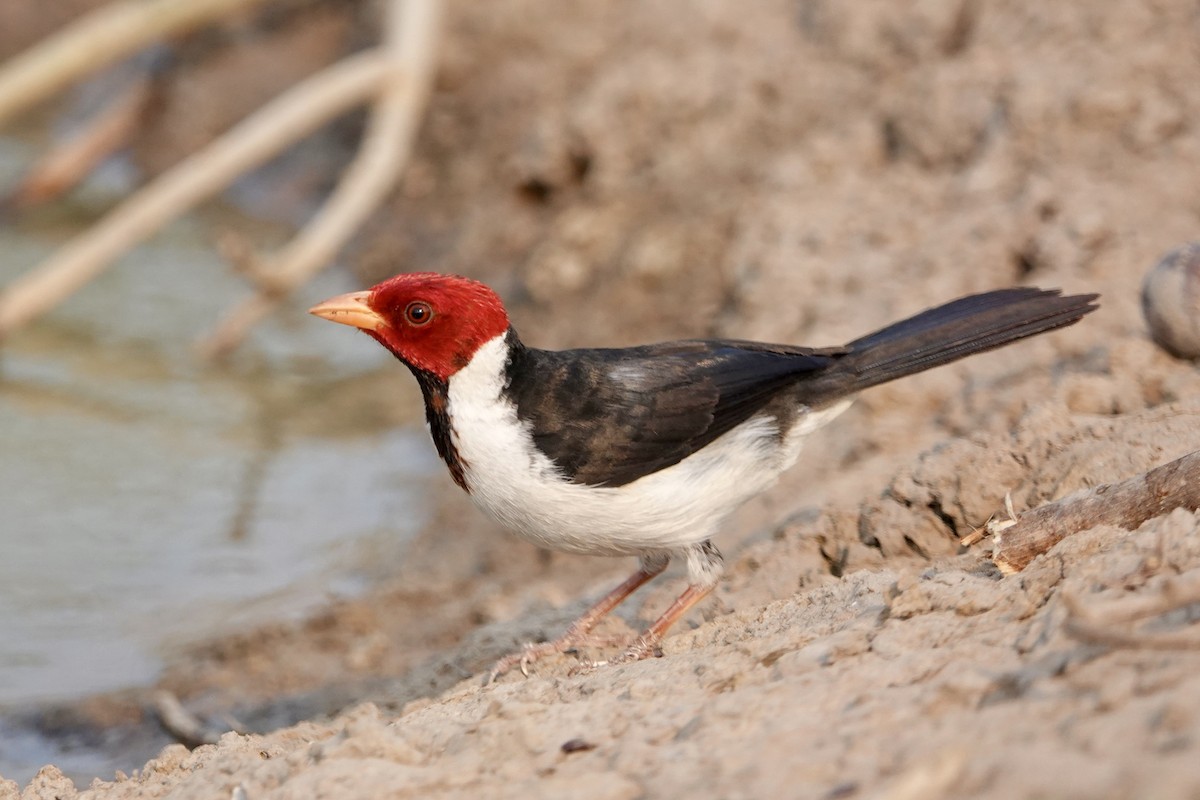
(955, 330)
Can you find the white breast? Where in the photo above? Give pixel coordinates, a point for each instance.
(680, 505)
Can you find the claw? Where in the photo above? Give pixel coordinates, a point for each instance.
(644, 647)
(578, 633)
(585, 668)
(532, 652)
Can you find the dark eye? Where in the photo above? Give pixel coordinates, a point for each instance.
(418, 313)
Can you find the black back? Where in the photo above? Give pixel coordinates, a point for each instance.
(607, 417)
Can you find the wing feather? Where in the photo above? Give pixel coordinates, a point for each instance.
(609, 417)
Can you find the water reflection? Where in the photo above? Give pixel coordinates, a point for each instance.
(148, 499)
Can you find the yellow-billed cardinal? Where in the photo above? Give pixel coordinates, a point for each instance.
(644, 451)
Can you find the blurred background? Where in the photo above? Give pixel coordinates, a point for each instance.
(800, 170)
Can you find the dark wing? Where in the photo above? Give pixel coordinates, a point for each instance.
(608, 417)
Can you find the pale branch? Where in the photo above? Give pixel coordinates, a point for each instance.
(1126, 504)
(186, 728)
(292, 115)
(1102, 633)
(410, 38)
(98, 39)
(1109, 623)
(1177, 591)
(65, 166)
(929, 779)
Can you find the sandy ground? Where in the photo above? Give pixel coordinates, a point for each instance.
(800, 172)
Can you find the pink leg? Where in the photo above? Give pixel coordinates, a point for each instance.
(577, 633)
(646, 645)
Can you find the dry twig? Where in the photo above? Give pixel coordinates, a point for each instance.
(98, 39)
(1110, 624)
(188, 729)
(65, 166)
(400, 73)
(411, 34)
(928, 779)
(992, 525)
(290, 116)
(1126, 504)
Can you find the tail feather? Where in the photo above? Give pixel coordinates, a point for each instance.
(955, 330)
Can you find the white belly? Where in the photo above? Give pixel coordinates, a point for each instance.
(680, 505)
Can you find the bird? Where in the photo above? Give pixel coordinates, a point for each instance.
(644, 451)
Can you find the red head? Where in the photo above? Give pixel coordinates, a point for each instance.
(429, 321)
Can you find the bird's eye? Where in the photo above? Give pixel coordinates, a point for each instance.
(418, 313)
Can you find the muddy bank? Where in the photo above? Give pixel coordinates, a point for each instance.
(939, 674)
(803, 173)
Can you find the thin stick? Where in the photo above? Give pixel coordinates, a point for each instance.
(1108, 623)
(930, 779)
(261, 135)
(186, 727)
(70, 162)
(1177, 592)
(97, 39)
(1100, 633)
(1126, 504)
(411, 37)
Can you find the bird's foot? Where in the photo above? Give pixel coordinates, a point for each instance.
(529, 652)
(643, 647)
(534, 651)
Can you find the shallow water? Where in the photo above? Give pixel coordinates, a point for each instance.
(148, 499)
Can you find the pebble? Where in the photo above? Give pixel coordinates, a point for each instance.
(1171, 301)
